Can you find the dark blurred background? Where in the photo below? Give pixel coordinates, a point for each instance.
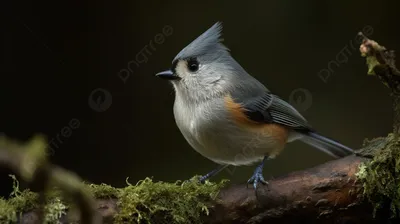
(57, 54)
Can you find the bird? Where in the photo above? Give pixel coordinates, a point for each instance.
(230, 117)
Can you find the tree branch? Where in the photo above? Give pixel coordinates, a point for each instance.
(328, 192)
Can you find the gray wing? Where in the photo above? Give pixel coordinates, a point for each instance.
(269, 108)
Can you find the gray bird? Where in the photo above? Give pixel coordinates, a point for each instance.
(228, 116)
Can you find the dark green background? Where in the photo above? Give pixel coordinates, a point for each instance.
(56, 53)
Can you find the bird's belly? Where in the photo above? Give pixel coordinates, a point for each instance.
(230, 144)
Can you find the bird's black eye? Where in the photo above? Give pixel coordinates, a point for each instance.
(193, 65)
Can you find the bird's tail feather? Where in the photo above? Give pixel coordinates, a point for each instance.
(326, 145)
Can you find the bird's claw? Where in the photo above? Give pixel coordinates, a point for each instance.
(255, 179)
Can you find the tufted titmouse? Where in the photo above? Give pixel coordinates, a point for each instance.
(228, 116)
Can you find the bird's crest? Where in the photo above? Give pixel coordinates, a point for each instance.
(208, 42)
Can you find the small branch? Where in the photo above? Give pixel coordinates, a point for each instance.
(381, 62)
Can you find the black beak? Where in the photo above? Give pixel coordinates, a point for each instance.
(169, 75)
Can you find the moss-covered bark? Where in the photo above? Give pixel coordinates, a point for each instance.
(381, 175)
(145, 202)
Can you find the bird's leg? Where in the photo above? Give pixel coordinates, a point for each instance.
(212, 173)
(257, 175)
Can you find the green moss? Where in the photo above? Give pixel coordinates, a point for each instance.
(103, 191)
(145, 202)
(381, 177)
(171, 203)
(23, 201)
(19, 201)
(7, 212)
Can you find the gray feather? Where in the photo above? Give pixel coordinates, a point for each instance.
(283, 113)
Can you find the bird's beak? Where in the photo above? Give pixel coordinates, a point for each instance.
(169, 75)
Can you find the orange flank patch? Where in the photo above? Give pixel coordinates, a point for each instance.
(238, 113)
(279, 132)
(275, 131)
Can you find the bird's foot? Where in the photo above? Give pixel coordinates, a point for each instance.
(257, 178)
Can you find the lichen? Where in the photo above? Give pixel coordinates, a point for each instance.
(145, 202)
(381, 177)
(54, 210)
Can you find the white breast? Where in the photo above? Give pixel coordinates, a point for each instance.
(186, 121)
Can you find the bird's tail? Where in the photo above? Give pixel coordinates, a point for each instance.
(326, 145)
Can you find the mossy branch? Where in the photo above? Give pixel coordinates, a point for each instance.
(29, 161)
